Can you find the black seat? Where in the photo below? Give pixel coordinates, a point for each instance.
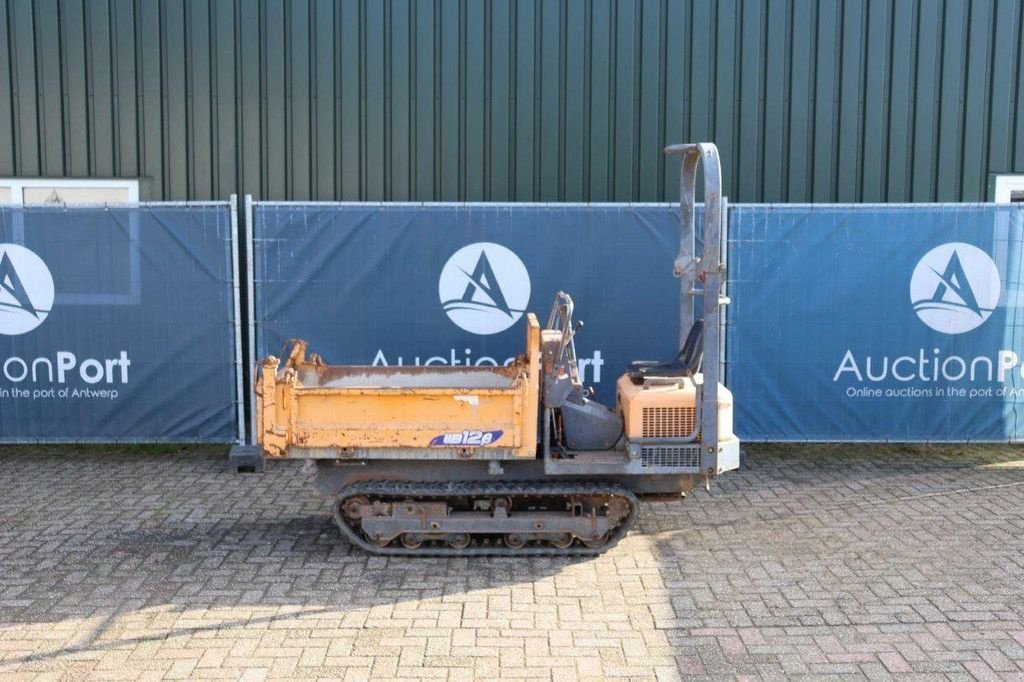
(686, 363)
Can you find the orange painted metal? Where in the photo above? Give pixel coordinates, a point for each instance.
(306, 408)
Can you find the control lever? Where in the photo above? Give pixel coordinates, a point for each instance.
(570, 335)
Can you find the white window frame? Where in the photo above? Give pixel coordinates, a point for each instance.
(18, 186)
(134, 295)
(1005, 184)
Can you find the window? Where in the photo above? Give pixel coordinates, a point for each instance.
(94, 240)
(1009, 189)
(63, 191)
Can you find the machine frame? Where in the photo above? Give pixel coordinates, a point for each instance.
(515, 460)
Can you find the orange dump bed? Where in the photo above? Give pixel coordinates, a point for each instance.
(308, 409)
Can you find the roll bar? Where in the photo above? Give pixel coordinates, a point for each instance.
(709, 271)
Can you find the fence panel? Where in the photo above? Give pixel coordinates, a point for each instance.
(118, 324)
(447, 284)
(848, 322)
(869, 322)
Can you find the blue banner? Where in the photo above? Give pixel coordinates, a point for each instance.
(116, 324)
(898, 323)
(396, 284)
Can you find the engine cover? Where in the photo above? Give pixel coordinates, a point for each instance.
(662, 409)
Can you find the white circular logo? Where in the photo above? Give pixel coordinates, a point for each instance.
(955, 287)
(484, 288)
(26, 290)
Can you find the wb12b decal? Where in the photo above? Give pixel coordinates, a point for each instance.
(466, 438)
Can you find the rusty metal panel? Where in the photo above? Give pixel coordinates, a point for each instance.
(514, 100)
(306, 408)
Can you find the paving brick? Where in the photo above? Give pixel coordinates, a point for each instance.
(869, 561)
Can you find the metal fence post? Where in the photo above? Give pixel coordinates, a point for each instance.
(250, 291)
(237, 319)
(246, 456)
(724, 258)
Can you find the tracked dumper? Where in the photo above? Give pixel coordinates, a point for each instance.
(514, 460)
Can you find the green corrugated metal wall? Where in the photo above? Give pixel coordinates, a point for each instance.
(558, 100)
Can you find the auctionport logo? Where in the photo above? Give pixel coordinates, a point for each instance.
(26, 290)
(484, 288)
(955, 287)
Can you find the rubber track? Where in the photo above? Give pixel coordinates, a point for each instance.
(370, 489)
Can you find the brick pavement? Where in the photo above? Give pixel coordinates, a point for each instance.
(890, 562)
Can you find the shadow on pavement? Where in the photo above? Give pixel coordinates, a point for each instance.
(92, 536)
(125, 550)
(818, 558)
